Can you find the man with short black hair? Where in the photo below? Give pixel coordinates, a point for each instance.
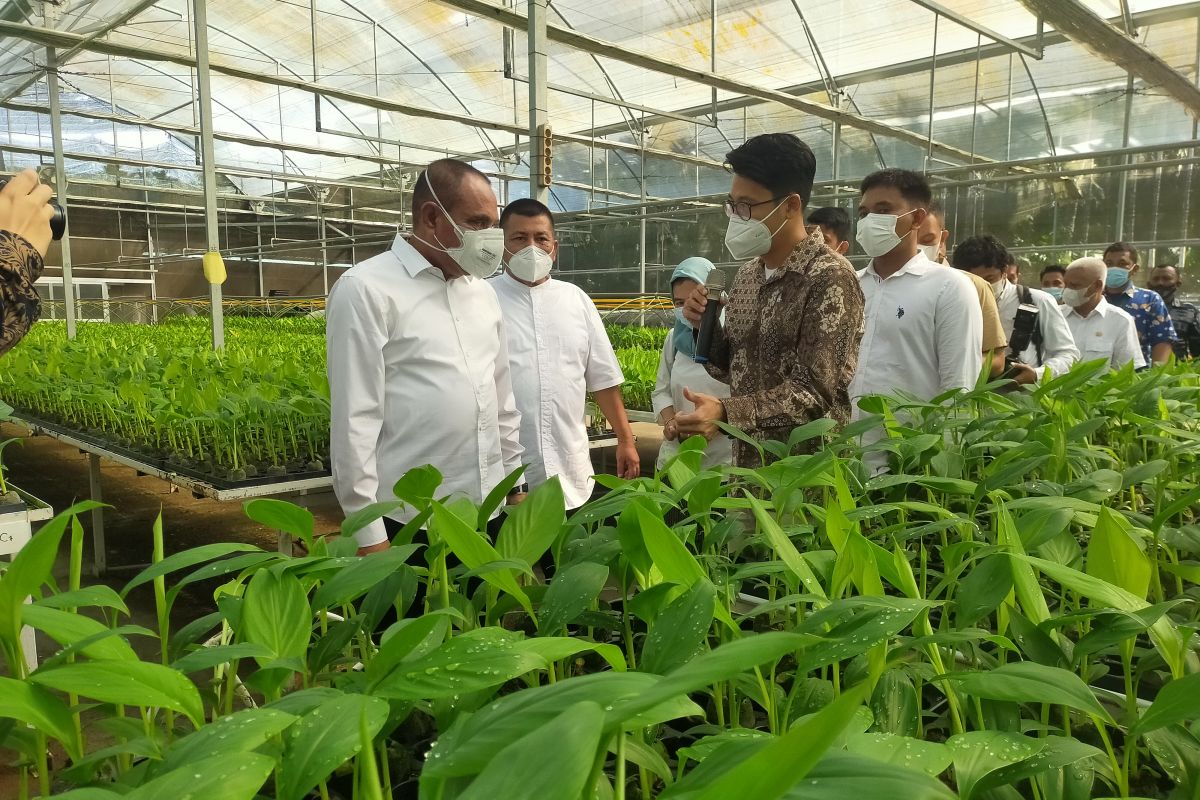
(1155, 331)
(1039, 337)
(924, 328)
(794, 317)
(834, 226)
(932, 237)
(558, 351)
(1012, 269)
(1166, 280)
(1053, 278)
(417, 357)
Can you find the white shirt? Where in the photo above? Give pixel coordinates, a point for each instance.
(676, 372)
(558, 351)
(1108, 332)
(924, 332)
(1059, 352)
(418, 374)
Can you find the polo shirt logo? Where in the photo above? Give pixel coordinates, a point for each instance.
(899, 312)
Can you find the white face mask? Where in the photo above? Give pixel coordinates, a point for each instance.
(876, 233)
(478, 252)
(530, 264)
(998, 287)
(1075, 297)
(930, 251)
(750, 238)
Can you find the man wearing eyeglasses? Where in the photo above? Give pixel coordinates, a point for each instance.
(794, 316)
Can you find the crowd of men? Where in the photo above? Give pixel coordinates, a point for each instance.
(435, 359)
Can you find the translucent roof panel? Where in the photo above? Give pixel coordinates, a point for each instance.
(427, 55)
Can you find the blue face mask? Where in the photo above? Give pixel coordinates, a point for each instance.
(679, 318)
(1054, 291)
(1116, 278)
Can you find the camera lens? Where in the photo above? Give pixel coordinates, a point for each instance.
(58, 222)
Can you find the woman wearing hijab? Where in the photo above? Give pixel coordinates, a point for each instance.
(678, 370)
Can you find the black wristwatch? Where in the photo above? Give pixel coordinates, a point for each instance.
(520, 488)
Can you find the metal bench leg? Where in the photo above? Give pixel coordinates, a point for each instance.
(100, 555)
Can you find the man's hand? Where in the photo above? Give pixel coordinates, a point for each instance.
(703, 421)
(379, 547)
(629, 463)
(1022, 373)
(693, 307)
(516, 499)
(25, 209)
(670, 430)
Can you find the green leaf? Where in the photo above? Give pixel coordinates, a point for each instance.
(132, 683)
(475, 552)
(1025, 583)
(1027, 682)
(407, 639)
(351, 582)
(188, 558)
(32, 566)
(572, 592)
(896, 707)
(280, 515)
(323, 739)
(35, 706)
(65, 628)
(477, 659)
(720, 664)
(983, 589)
(474, 739)
(236, 776)
(275, 614)
(668, 553)
(418, 486)
(531, 527)
(556, 648)
(1056, 752)
(680, 630)
(780, 763)
(978, 753)
(1114, 555)
(100, 596)
(239, 732)
(839, 776)
(931, 758)
(360, 519)
(554, 760)
(496, 497)
(208, 657)
(784, 548)
(1142, 473)
(1177, 701)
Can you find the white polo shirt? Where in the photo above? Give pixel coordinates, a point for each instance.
(1108, 332)
(558, 351)
(418, 374)
(924, 332)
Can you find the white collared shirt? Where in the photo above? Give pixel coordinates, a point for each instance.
(676, 372)
(418, 374)
(1108, 332)
(558, 351)
(924, 332)
(1059, 352)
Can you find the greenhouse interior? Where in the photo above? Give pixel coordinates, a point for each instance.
(682, 399)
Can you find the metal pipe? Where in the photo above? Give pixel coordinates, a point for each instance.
(208, 158)
(1123, 179)
(932, 74)
(60, 183)
(539, 96)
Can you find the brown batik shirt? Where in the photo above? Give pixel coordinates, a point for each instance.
(20, 265)
(789, 346)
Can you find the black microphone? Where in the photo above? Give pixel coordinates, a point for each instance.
(711, 317)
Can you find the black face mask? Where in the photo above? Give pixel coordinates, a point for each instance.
(1168, 293)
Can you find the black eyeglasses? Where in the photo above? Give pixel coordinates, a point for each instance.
(742, 210)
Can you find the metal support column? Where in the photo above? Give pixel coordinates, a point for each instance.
(212, 227)
(1123, 180)
(99, 553)
(60, 184)
(539, 94)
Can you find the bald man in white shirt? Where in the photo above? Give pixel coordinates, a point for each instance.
(1100, 329)
(418, 360)
(558, 353)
